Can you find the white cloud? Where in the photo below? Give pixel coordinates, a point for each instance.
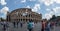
(48, 16)
(2, 2)
(57, 1)
(28, 6)
(48, 9)
(50, 12)
(39, 13)
(36, 8)
(0, 11)
(47, 2)
(57, 11)
(23, 1)
(32, 0)
(4, 10)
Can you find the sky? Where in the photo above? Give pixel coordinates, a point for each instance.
(47, 8)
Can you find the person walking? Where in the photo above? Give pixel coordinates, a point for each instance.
(30, 25)
(48, 26)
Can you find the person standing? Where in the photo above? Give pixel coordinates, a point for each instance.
(52, 25)
(17, 23)
(48, 26)
(43, 25)
(30, 25)
(5, 25)
(14, 24)
(21, 24)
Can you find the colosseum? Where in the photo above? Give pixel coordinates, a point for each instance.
(23, 14)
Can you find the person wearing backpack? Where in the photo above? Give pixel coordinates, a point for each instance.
(30, 25)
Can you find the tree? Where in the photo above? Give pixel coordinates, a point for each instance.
(3, 19)
(53, 18)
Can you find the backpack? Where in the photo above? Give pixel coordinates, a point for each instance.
(30, 25)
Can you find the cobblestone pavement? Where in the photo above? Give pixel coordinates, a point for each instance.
(24, 28)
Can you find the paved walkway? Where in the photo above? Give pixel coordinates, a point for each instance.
(24, 28)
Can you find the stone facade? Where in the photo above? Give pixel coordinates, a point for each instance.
(23, 14)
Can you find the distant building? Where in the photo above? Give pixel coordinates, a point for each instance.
(23, 14)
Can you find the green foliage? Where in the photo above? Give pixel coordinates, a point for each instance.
(53, 18)
(3, 19)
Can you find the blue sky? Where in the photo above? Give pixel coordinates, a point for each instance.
(46, 7)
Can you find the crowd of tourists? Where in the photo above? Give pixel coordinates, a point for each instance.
(46, 25)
